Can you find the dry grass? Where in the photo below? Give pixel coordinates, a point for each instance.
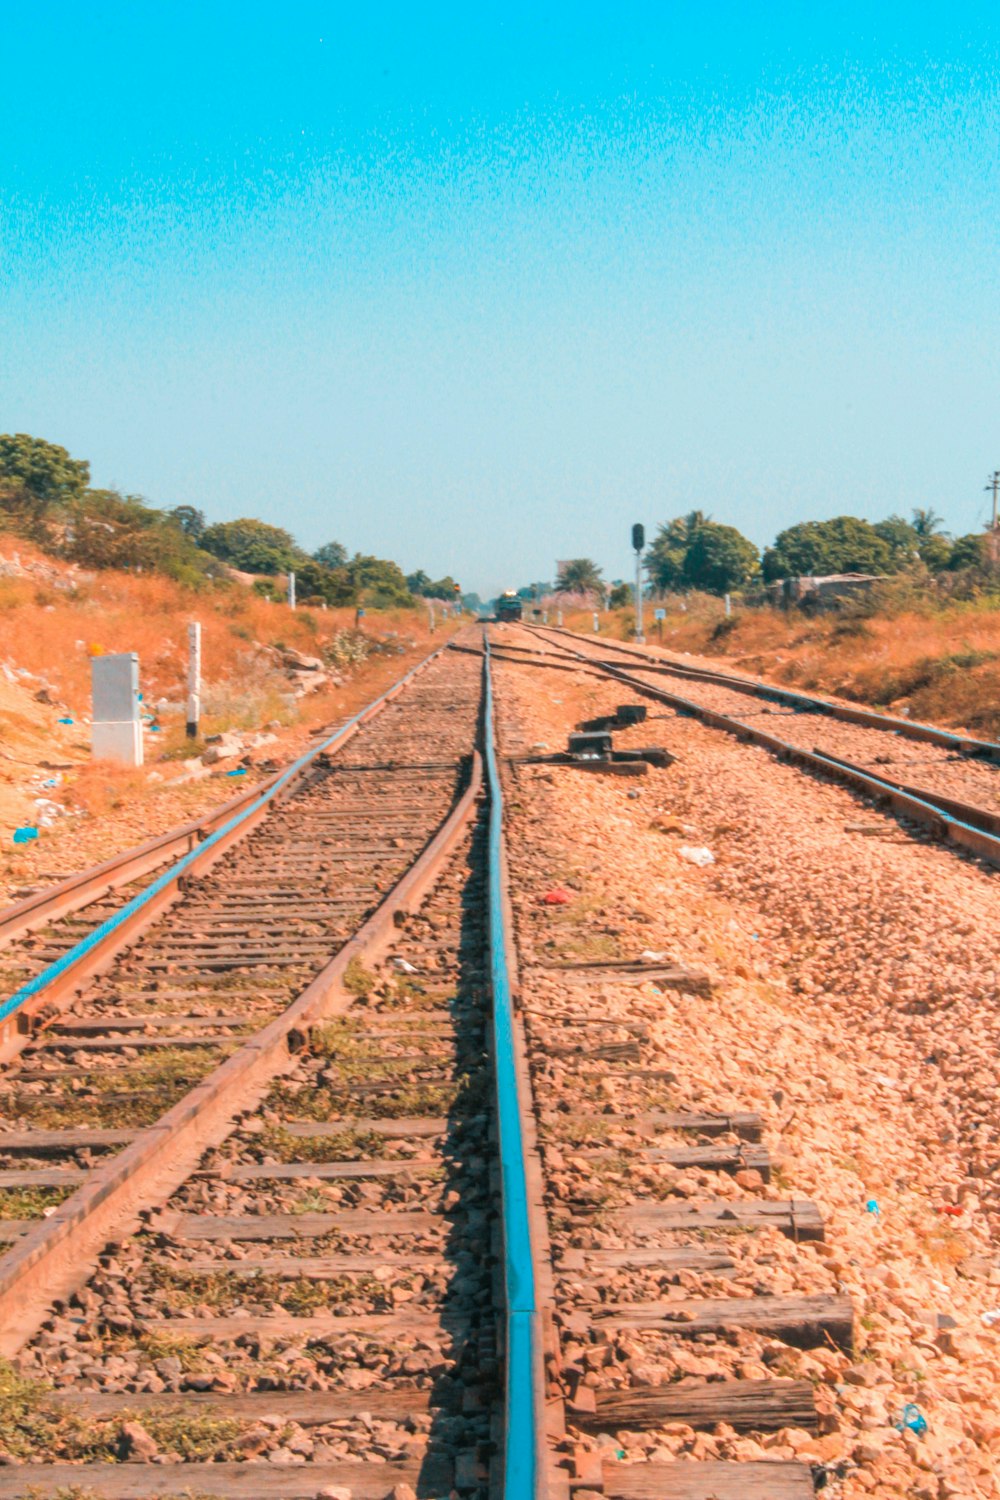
(53, 631)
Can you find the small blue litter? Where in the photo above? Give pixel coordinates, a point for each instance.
(139, 696)
(25, 835)
(912, 1418)
(66, 721)
(240, 771)
(153, 728)
(50, 781)
(872, 1207)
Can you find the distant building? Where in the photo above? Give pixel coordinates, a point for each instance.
(816, 594)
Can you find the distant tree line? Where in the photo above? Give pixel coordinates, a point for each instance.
(45, 496)
(693, 552)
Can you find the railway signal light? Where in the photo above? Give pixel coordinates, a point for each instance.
(638, 542)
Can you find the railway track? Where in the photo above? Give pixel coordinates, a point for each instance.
(948, 775)
(450, 1236)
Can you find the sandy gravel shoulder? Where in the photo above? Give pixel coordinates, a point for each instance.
(856, 1009)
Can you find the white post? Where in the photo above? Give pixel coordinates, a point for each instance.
(640, 638)
(194, 679)
(729, 607)
(291, 591)
(597, 623)
(559, 616)
(430, 610)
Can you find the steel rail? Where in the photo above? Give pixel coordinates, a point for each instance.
(97, 949)
(525, 1453)
(805, 703)
(923, 806)
(89, 885)
(58, 1254)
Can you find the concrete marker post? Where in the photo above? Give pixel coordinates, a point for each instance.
(291, 590)
(194, 679)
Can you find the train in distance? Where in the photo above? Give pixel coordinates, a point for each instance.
(508, 606)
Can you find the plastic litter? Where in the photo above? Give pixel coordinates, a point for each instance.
(649, 957)
(67, 720)
(240, 771)
(991, 1317)
(912, 1418)
(955, 1210)
(872, 1207)
(404, 967)
(25, 835)
(556, 897)
(695, 855)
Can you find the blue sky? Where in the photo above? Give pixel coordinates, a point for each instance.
(476, 287)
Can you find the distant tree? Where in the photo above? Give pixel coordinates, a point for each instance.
(903, 540)
(580, 575)
(842, 545)
(935, 552)
(252, 546)
(315, 583)
(968, 552)
(110, 530)
(441, 588)
(190, 520)
(621, 596)
(38, 478)
(418, 581)
(379, 583)
(331, 555)
(927, 523)
(664, 561)
(719, 559)
(534, 591)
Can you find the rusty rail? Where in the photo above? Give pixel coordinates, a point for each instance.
(802, 702)
(51, 989)
(58, 1254)
(938, 812)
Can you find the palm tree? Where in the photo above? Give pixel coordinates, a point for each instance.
(926, 523)
(580, 575)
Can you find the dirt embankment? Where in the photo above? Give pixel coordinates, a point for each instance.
(270, 675)
(941, 665)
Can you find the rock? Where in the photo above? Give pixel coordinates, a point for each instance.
(135, 1443)
(222, 747)
(296, 661)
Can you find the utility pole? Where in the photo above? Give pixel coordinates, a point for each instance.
(993, 483)
(638, 542)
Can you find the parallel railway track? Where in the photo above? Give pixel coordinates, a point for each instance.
(368, 1256)
(935, 803)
